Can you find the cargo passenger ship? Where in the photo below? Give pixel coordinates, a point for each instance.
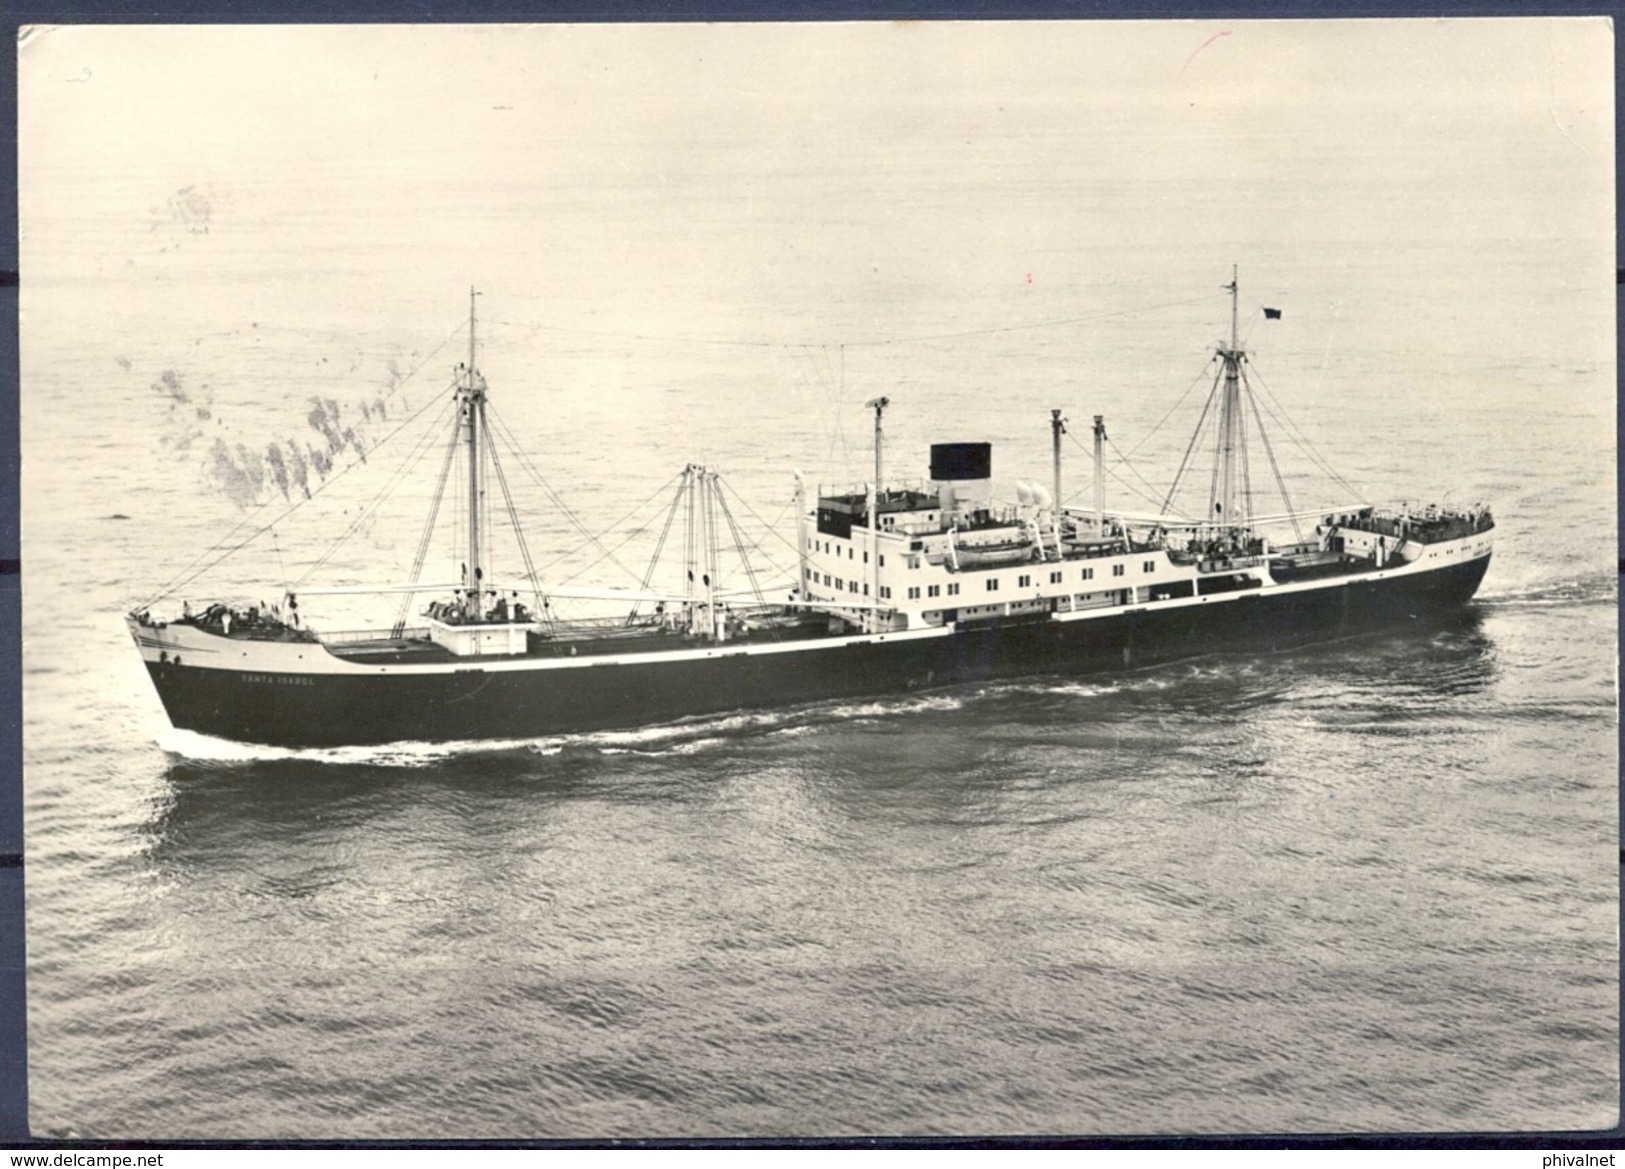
(899, 587)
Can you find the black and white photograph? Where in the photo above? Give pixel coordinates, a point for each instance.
(819, 580)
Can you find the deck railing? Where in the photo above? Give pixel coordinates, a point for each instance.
(347, 636)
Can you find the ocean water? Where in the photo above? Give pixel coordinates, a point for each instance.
(1370, 886)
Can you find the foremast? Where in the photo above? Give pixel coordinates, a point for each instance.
(472, 432)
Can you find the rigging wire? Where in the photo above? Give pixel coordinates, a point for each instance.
(768, 529)
(739, 547)
(1295, 432)
(487, 455)
(870, 342)
(657, 339)
(526, 464)
(177, 582)
(838, 435)
(1255, 318)
(280, 566)
(1201, 422)
(690, 535)
(713, 542)
(428, 531)
(837, 385)
(519, 535)
(1034, 324)
(623, 542)
(187, 576)
(1246, 466)
(660, 543)
(459, 514)
(370, 508)
(1252, 398)
(1124, 459)
(1151, 499)
(1219, 436)
(1121, 481)
(1195, 381)
(812, 379)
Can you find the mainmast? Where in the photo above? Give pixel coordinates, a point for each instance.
(878, 405)
(471, 396)
(1223, 510)
(1100, 474)
(1057, 427)
(876, 493)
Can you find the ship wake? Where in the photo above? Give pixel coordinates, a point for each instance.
(685, 737)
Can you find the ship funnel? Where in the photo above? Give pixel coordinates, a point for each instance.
(968, 466)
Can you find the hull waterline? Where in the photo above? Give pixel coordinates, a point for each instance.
(528, 699)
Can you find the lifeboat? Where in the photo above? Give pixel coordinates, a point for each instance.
(988, 554)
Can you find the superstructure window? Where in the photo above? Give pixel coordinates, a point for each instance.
(1148, 566)
(953, 589)
(1088, 574)
(1117, 570)
(992, 584)
(1055, 578)
(1023, 581)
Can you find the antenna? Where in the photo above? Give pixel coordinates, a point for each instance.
(1232, 288)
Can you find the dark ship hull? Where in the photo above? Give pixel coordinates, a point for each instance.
(526, 697)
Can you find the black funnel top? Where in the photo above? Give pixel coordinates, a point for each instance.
(959, 461)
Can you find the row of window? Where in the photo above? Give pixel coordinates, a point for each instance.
(1080, 601)
(850, 554)
(840, 584)
(914, 591)
(890, 521)
(1023, 581)
(914, 562)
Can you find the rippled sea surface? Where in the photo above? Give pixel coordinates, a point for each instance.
(1366, 886)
